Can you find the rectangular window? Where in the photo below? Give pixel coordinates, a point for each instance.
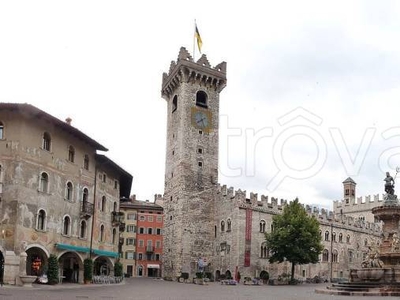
(115, 184)
(158, 244)
(131, 228)
(130, 241)
(131, 216)
(141, 243)
(159, 219)
(158, 231)
(158, 257)
(140, 256)
(150, 230)
(150, 218)
(141, 230)
(130, 255)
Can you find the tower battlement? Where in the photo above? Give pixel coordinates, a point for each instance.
(185, 69)
(362, 202)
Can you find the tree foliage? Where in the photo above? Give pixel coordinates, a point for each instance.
(295, 237)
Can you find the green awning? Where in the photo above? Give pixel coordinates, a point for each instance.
(106, 253)
(72, 247)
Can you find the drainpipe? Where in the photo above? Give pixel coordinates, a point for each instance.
(94, 210)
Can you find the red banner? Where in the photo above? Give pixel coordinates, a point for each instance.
(249, 219)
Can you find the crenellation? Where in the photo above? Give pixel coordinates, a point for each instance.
(264, 199)
(204, 61)
(230, 193)
(253, 197)
(184, 55)
(274, 202)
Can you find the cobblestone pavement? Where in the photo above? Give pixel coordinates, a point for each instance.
(153, 289)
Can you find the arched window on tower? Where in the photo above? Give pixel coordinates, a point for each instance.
(67, 225)
(201, 99)
(228, 225)
(262, 226)
(340, 238)
(264, 250)
(222, 226)
(175, 103)
(101, 237)
(326, 235)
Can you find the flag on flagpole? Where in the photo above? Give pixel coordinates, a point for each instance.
(198, 38)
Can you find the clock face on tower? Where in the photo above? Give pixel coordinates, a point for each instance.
(201, 119)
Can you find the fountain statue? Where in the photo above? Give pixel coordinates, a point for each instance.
(380, 271)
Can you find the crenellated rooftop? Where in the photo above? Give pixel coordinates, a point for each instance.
(361, 201)
(273, 205)
(185, 69)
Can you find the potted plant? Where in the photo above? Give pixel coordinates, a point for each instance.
(52, 271)
(88, 270)
(118, 267)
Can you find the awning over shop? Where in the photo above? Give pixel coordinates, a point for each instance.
(72, 247)
(106, 253)
(153, 266)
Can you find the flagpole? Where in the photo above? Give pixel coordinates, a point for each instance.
(194, 41)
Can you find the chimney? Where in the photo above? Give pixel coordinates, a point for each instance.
(68, 120)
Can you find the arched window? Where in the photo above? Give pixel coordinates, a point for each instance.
(103, 204)
(264, 250)
(325, 255)
(46, 143)
(44, 182)
(85, 195)
(114, 235)
(1, 130)
(201, 99)
(262, 226)
(86, 162)
(326, 235)
(334, 256)
(348, 239)
(71, 154)
(115, 206)
(365, 242)
(340, 238)
(66, 225)
(82, 229)
(69, 191)
(334, 236)
(229, 225)
(272, 227)
(175, 103)
(41, 220)
(222, 226)
(102, 233)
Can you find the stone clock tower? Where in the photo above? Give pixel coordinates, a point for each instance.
(191, 90)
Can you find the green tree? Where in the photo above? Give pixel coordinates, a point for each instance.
(295, 237)
(118, 269)
(52, 270)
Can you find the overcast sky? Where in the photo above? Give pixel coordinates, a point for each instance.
(312, 95)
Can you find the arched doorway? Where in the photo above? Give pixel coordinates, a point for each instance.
(228, 274)
(103, 266)
(70, 267)
(36, 261)
(1, 268)
(217, 275)
(140, 271)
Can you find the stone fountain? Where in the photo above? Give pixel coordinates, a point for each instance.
(23, 279)
(379, 273)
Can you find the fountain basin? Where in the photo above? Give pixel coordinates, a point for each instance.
(27, 280)
(370, 274)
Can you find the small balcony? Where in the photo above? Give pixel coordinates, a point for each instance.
(116, 218)
(150, 249)
(86, 209)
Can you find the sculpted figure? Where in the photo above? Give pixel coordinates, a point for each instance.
(389, 184)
